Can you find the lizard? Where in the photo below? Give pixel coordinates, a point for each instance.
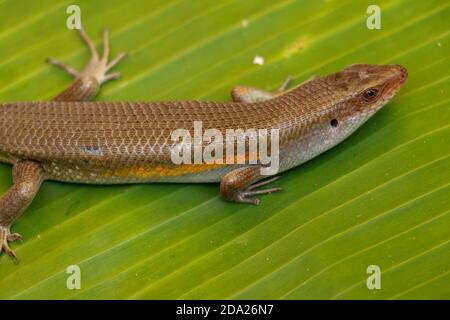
(72, 139)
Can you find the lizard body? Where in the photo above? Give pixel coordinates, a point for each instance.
(72, 140)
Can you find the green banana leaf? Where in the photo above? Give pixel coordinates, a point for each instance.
(379, 198)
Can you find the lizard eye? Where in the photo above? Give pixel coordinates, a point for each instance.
(370, 94)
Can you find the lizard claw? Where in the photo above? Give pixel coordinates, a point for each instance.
(5, 237)
(13, 237)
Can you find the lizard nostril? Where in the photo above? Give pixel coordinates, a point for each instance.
(403, 72)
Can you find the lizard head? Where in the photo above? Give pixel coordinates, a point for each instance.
(359, 91)
(334, 106)
(365, 88)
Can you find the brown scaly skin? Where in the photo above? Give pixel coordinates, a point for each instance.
(130, 142)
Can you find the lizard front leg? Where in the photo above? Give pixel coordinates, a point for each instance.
(27, 178)
(250, 94)
(240, 184)
(88, 82)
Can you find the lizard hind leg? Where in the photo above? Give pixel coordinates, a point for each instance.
(240, 184)
(95, 73)
(27, 178)
(249, 94)
(97, 66)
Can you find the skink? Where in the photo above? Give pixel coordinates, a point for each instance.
(72, 140)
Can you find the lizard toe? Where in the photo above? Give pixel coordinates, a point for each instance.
(243, 196)
(5, 237)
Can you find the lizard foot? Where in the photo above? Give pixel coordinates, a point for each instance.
(243, 196)
(5, 237)
(97, 66)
